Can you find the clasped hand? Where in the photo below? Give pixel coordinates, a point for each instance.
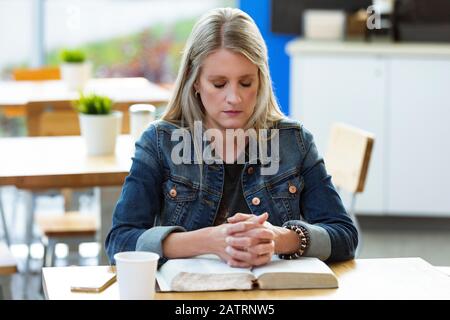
(248, 240)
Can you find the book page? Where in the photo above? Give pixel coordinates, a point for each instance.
(300, 273)
(202, 274)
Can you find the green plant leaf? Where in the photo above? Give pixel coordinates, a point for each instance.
(73, 56)
(93, 104)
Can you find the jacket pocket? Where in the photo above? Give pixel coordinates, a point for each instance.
(179, 194)
(285, 191)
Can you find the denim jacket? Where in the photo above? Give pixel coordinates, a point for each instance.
(148, 209)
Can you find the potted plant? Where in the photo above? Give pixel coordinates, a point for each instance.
(75, 70)
(99, 124)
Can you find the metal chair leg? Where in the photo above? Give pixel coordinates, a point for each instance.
(30, 209)
(44, 259)
(355, 221)
(15, 203)
(5, 286)
(51, 252)
(5, 227)
(45, 263)
(30, 202)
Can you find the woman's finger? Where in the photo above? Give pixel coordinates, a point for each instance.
(238, 217)
(241, 227)
(241, 255)
(262, 260)
(257, 233)
(262, 218)
(262, 248)
(238, 264)
(241, 242)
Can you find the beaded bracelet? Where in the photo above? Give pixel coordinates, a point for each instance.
(304, 238)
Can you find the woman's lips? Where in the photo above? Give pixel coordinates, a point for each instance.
(232, 113)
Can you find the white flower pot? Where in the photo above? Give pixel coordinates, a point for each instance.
(75, 75)
(100, 132)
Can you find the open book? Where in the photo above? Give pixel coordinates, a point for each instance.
(209, 273)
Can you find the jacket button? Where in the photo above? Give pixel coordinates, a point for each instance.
(173, 192)
(250, 170)
(292, 189)
(256, 201)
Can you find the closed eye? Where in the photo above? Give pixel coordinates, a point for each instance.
(245, 85)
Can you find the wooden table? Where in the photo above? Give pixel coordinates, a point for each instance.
(395, 278)
(47, 105)
(18, 93)
(33, 163)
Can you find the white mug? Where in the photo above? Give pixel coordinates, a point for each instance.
(140, 117)
(136, 273)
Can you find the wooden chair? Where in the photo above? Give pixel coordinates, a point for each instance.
(347, 161)
(37, 74)
(58, 118)
(8, 267)
(71, 228)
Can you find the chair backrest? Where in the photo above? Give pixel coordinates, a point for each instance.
(51, 119)
(38, 74)
(348, 156)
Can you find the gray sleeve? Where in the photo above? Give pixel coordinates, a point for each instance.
(152, 239)
(320, 243)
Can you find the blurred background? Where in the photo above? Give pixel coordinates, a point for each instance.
(381, 66)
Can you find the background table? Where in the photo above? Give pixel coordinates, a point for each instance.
(394, 278)
(36, 163)
(47, 105)
(19, 93)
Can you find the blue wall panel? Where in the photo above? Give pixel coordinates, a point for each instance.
(259, 10)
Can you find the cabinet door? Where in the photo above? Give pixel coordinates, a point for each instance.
(344, 88)
(419, 137)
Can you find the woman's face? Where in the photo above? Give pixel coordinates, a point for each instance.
(228, 86)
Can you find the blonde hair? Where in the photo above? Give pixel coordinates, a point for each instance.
(231, 29)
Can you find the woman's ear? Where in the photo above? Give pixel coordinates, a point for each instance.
(196, 86)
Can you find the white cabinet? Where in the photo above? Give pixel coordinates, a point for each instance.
(327, 91)
(402, 95)
(419, 148)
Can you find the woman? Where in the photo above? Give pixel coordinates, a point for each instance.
(176, 203)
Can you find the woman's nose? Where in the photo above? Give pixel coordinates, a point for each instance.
(233, 96)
